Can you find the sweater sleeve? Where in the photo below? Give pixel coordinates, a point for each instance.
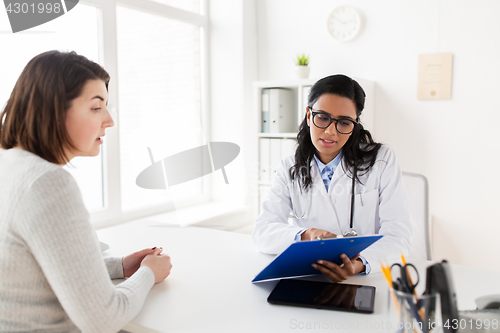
(54, 223)
(115, 267)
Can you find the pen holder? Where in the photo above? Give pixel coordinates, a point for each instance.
(417, 314)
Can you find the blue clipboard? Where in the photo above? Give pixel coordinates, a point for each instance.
(296, 260)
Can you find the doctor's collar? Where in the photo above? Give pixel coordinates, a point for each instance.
(333, 164)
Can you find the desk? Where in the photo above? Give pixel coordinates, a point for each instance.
(209, 288)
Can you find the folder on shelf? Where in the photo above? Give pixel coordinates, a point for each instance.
(296, 260)
(288, 147)
(265, 160)
(271, 152)
(274, 155)
(305, 97)
(281, 111)
(265, 111)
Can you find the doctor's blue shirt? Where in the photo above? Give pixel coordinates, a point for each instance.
(326, 170)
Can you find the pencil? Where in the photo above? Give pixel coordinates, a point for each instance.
(403, 259)
(386, 270)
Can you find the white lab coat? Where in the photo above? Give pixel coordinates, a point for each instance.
(381, 207)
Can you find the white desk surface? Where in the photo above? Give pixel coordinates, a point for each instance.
(209, 288)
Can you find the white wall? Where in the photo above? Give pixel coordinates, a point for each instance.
(452, 142)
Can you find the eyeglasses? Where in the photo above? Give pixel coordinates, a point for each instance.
(322, 119)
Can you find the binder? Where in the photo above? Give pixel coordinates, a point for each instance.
(305, 98)
(275, 156)
(281, 111)
(265, 162)
(296, 260)
(271, 152)
(288, 147)
(265, 111)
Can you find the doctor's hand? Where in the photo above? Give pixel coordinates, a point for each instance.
(313, 233)
(339, 273)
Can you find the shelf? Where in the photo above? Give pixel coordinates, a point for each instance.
(278, 135)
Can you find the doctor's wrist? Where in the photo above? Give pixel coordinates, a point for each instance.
(305, 235)
(361, 268)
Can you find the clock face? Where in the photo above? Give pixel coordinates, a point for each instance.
(344, 23)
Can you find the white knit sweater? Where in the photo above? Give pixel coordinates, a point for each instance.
(52, 274)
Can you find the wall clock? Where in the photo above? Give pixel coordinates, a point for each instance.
(344, 23)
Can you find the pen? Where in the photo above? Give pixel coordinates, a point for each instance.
(403, 259)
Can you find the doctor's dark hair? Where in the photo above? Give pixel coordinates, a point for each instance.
(34, 117)
(360, 150)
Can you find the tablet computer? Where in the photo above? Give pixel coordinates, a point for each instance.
(324, 295)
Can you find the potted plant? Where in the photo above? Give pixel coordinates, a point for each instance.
(302, 66)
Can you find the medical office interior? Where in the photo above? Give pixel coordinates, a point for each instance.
(205, 91)
(188, 72)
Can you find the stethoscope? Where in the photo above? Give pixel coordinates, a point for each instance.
(349, 233)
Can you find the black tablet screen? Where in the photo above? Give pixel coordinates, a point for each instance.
(324, 295)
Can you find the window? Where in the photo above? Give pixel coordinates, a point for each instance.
(154, 52)
(189, 5)
(159, 99)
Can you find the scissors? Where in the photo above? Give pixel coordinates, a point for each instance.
(404, 280)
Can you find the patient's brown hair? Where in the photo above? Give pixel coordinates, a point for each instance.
(34, 116)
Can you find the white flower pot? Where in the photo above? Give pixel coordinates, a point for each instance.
(302, 72)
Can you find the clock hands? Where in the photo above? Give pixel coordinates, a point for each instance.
(344, 22)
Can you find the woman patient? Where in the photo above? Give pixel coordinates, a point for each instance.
(53, 277)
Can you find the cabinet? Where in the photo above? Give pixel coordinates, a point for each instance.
(288, 100)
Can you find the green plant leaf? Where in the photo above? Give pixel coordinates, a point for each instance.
(302, 60)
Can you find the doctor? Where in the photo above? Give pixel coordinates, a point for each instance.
(311, 193)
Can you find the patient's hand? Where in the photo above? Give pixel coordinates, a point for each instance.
(132, 262)
(159, 263)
